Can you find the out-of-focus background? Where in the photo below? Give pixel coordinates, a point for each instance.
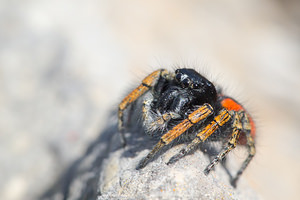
(65, 65)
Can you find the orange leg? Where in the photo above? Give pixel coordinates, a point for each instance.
(146, 85)
(237, 127)
(247, 128)
(218, 121)
(251, 150)
(195, 117)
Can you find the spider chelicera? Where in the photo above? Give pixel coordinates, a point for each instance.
(184, 104)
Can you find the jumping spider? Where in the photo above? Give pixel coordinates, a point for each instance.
(184, 104)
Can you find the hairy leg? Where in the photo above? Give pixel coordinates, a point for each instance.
(148, 83)
(246, 128)
(218, 121)
(200, 114)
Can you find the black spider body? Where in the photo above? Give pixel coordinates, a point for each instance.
(185, 105)
(181, 95)
(187, 89)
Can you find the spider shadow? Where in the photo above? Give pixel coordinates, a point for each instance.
(96, 152)
(138, 141)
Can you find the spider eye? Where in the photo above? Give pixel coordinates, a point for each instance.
(178, 77)
(185, 82)
(196, 85)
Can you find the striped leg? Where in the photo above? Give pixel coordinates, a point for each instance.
(248, 130)
(149, 82)
(218, 121)
(195, 117)
(237, 127)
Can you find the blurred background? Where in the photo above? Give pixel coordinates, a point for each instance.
(66, 64)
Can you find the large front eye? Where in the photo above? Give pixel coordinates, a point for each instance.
(178, 77)
(185, 82)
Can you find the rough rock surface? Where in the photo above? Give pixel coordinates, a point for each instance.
(182, 180)
(108, 171)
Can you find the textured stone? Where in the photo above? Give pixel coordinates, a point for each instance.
(108, 171)
(182, 180)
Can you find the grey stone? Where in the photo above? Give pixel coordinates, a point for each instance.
(108, 171)
(184, 179)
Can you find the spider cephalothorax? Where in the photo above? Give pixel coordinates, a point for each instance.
(184, 104)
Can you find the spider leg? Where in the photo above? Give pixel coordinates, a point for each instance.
(195, 117)
(237, 127)
(148, 83)
(222, 117)
(247, 128)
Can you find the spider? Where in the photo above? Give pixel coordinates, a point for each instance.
(184, 104)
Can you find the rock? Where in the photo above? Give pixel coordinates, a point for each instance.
(108, 171)
(182, 180)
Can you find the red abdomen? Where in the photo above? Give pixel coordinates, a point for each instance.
(231, 104)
